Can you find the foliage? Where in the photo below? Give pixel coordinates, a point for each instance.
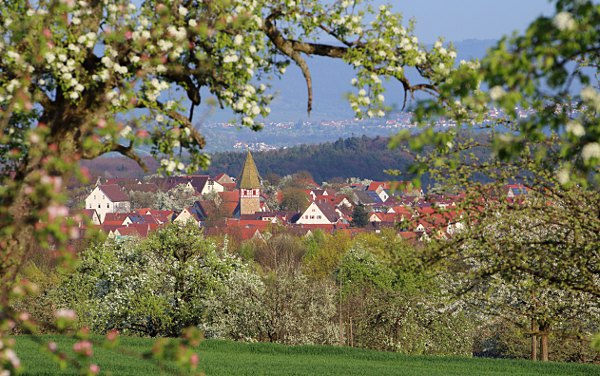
(550, 71)
(545, 136)
(299, 311)
(398, 307)
(81, 79)
(323, 253)
(360, 216)
(175, 199)
(159, 286)
(349, 157)
(294, 199)
(140, 200)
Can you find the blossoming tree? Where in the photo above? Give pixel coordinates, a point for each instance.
(79, 79)
(541, 86)
(539, 113)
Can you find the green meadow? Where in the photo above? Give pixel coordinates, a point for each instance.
(233, 358)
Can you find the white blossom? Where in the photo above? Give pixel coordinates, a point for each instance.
(497, 92)
(171, 166)
(563, 176)
(575, 128)
(238, 40)
(564, 21)
(590, 151)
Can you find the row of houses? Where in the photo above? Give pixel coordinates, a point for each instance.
(228, 205)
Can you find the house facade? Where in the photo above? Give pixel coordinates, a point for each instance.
(319, 214)
(107, 198)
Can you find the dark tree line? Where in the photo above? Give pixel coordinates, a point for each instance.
(351, 157)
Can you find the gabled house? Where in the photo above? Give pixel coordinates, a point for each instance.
(319, 213)
(193, 213)
(319, 193)
(367, 198)
(118, 219)
(91, 215)
(201, 184)
(339, 201)
(107, 198)
(226, 181)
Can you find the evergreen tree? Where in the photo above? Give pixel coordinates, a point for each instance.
(360, 216)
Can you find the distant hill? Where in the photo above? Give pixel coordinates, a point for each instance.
(362, 157)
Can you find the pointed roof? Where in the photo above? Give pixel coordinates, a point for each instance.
(249, 178)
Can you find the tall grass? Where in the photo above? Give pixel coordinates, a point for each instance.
(231, 358)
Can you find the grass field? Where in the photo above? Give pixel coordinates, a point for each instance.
(230, 358)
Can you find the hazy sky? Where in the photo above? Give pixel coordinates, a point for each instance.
(469, 19)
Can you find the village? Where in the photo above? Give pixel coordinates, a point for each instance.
(241, 207)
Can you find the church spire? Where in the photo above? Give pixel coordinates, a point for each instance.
(249, 178)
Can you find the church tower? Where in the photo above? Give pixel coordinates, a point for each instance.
(249, 185)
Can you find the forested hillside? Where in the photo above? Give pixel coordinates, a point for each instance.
(352, 157)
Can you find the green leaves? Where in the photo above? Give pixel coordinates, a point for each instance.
(533, 81)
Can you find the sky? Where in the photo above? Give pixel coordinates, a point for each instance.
(457, 20)
(454, 20)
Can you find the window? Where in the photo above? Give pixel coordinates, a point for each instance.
(94, 197)
(312, 217)
(108, 206)
(98, 206)
(318, 217)
(313, 210)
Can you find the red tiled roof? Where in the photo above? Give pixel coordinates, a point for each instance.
(121, 181)
(89, 213)
(328, 210)
(256, 223)
(376, 184)
(127, 231)
(230, 196)
(115, 218)
(109, 227)
(114, 192)
(146, 187)
(229, 186)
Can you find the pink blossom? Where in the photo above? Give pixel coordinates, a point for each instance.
(68, 314)
(194, 359)
(94, 369)
(56, 211)
(52, 346)
(83, 348)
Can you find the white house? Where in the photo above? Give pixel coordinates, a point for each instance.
(319, 213)
(108, 198)
(212, 186)
(190, 213)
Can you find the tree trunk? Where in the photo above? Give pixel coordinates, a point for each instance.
(544, 343)
(534, 340)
